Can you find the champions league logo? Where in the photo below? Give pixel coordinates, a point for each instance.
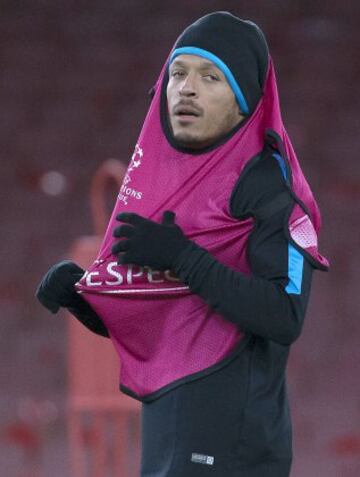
(126, 191)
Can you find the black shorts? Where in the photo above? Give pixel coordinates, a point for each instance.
(201, 429)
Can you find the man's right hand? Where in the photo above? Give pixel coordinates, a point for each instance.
(56, 289)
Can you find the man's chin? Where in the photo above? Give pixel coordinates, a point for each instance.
(189, 141)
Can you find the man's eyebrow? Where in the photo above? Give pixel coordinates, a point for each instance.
(203, 65)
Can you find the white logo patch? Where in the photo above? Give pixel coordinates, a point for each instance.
(202, 459)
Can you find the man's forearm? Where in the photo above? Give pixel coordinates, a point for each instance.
(256, 305)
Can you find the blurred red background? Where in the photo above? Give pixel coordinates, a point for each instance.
(73, 93)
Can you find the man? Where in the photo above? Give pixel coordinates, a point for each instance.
(204, 284)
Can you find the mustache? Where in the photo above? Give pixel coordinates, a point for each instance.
(187, 106)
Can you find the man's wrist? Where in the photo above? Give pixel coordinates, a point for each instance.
(188, 256)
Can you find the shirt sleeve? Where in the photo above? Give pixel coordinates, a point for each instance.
(272, 302)
(87, 316)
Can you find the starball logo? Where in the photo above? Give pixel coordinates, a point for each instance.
(126, 191)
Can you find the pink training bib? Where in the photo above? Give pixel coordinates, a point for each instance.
(164, 334)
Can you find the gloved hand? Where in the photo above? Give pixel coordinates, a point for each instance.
(57, 286)
(149, 243)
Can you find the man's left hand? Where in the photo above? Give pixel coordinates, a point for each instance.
(148, 243)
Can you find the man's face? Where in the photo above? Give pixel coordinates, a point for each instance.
(201, 104)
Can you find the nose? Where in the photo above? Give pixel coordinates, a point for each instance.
(188, 87)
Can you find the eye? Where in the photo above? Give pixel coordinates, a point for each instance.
(177, 73)
(211, 77)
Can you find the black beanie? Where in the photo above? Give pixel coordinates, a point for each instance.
(238, 47)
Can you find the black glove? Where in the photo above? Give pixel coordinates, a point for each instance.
(57, 286)
(57, 289)
(149, 243)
